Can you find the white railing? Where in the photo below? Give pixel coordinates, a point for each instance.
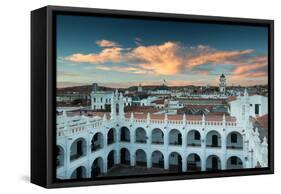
(80, 124)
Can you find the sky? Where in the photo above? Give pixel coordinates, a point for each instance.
(119, 52)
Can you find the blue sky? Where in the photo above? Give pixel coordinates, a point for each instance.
(122, 52)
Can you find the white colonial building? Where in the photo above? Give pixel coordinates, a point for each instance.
(90, 146)
(255, 105)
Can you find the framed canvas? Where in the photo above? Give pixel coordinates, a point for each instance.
(125, 96)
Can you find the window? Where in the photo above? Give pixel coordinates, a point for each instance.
(100, 99)
(196, 135)
(197, 158)
(233, 138)
(257, 109)
(94, 99)
(233, 160)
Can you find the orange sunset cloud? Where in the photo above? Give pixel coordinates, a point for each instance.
(172, 58)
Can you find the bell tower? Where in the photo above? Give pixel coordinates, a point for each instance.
(222, 84)
(117, 105)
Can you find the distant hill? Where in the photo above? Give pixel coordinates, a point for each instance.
(87, 89)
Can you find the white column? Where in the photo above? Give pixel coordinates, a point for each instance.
(184, 139)
(149, 138)
(104, 138)
(104, 170)
(67, 153)
(132, 159)
(203, 146)
(118, 133)
(149, 160)
(132, 136)
(166, 161)
(223, 149)
(184, 163)
(203, 163)
(166, 138)
(89, 171)
(89, 146)
(117, 157)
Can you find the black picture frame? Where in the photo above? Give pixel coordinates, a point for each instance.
(43, 92)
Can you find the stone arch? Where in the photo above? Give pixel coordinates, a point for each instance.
(141, 158)
(78, 148)
(60, 154)
(157, 158)
(193, 162)
(111, 159)
(111, 136)
(97, 141)
(234, 140)
(234, 162)
(157, 136)
(140, 135)
(125, 156)
(79, 173)
(193, 138)
(97, 167)
(175, 137)
(124, 134)
(175, 162)
(213, 163)
(213, 139)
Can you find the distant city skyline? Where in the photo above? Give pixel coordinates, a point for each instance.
(125, 52)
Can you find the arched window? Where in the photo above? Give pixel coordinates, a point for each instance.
(193, 162)
(78, 149)
(193, 138)
(175, 162)
(234, 140)
(213, 163)
(157, 159)
(175, 137)
(213, 139)
(157, 136)
(234, 162)
(79, 173)
(111, 159)
(125, 134)
(125, 156)
(111, 136)
(60, 156)
(140, 135)
(97, 142)
(140, 158)
(97, 167)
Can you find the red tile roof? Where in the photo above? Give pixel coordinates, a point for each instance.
(142, 109)
(231, 98)
(263, 121)
(160, 101)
